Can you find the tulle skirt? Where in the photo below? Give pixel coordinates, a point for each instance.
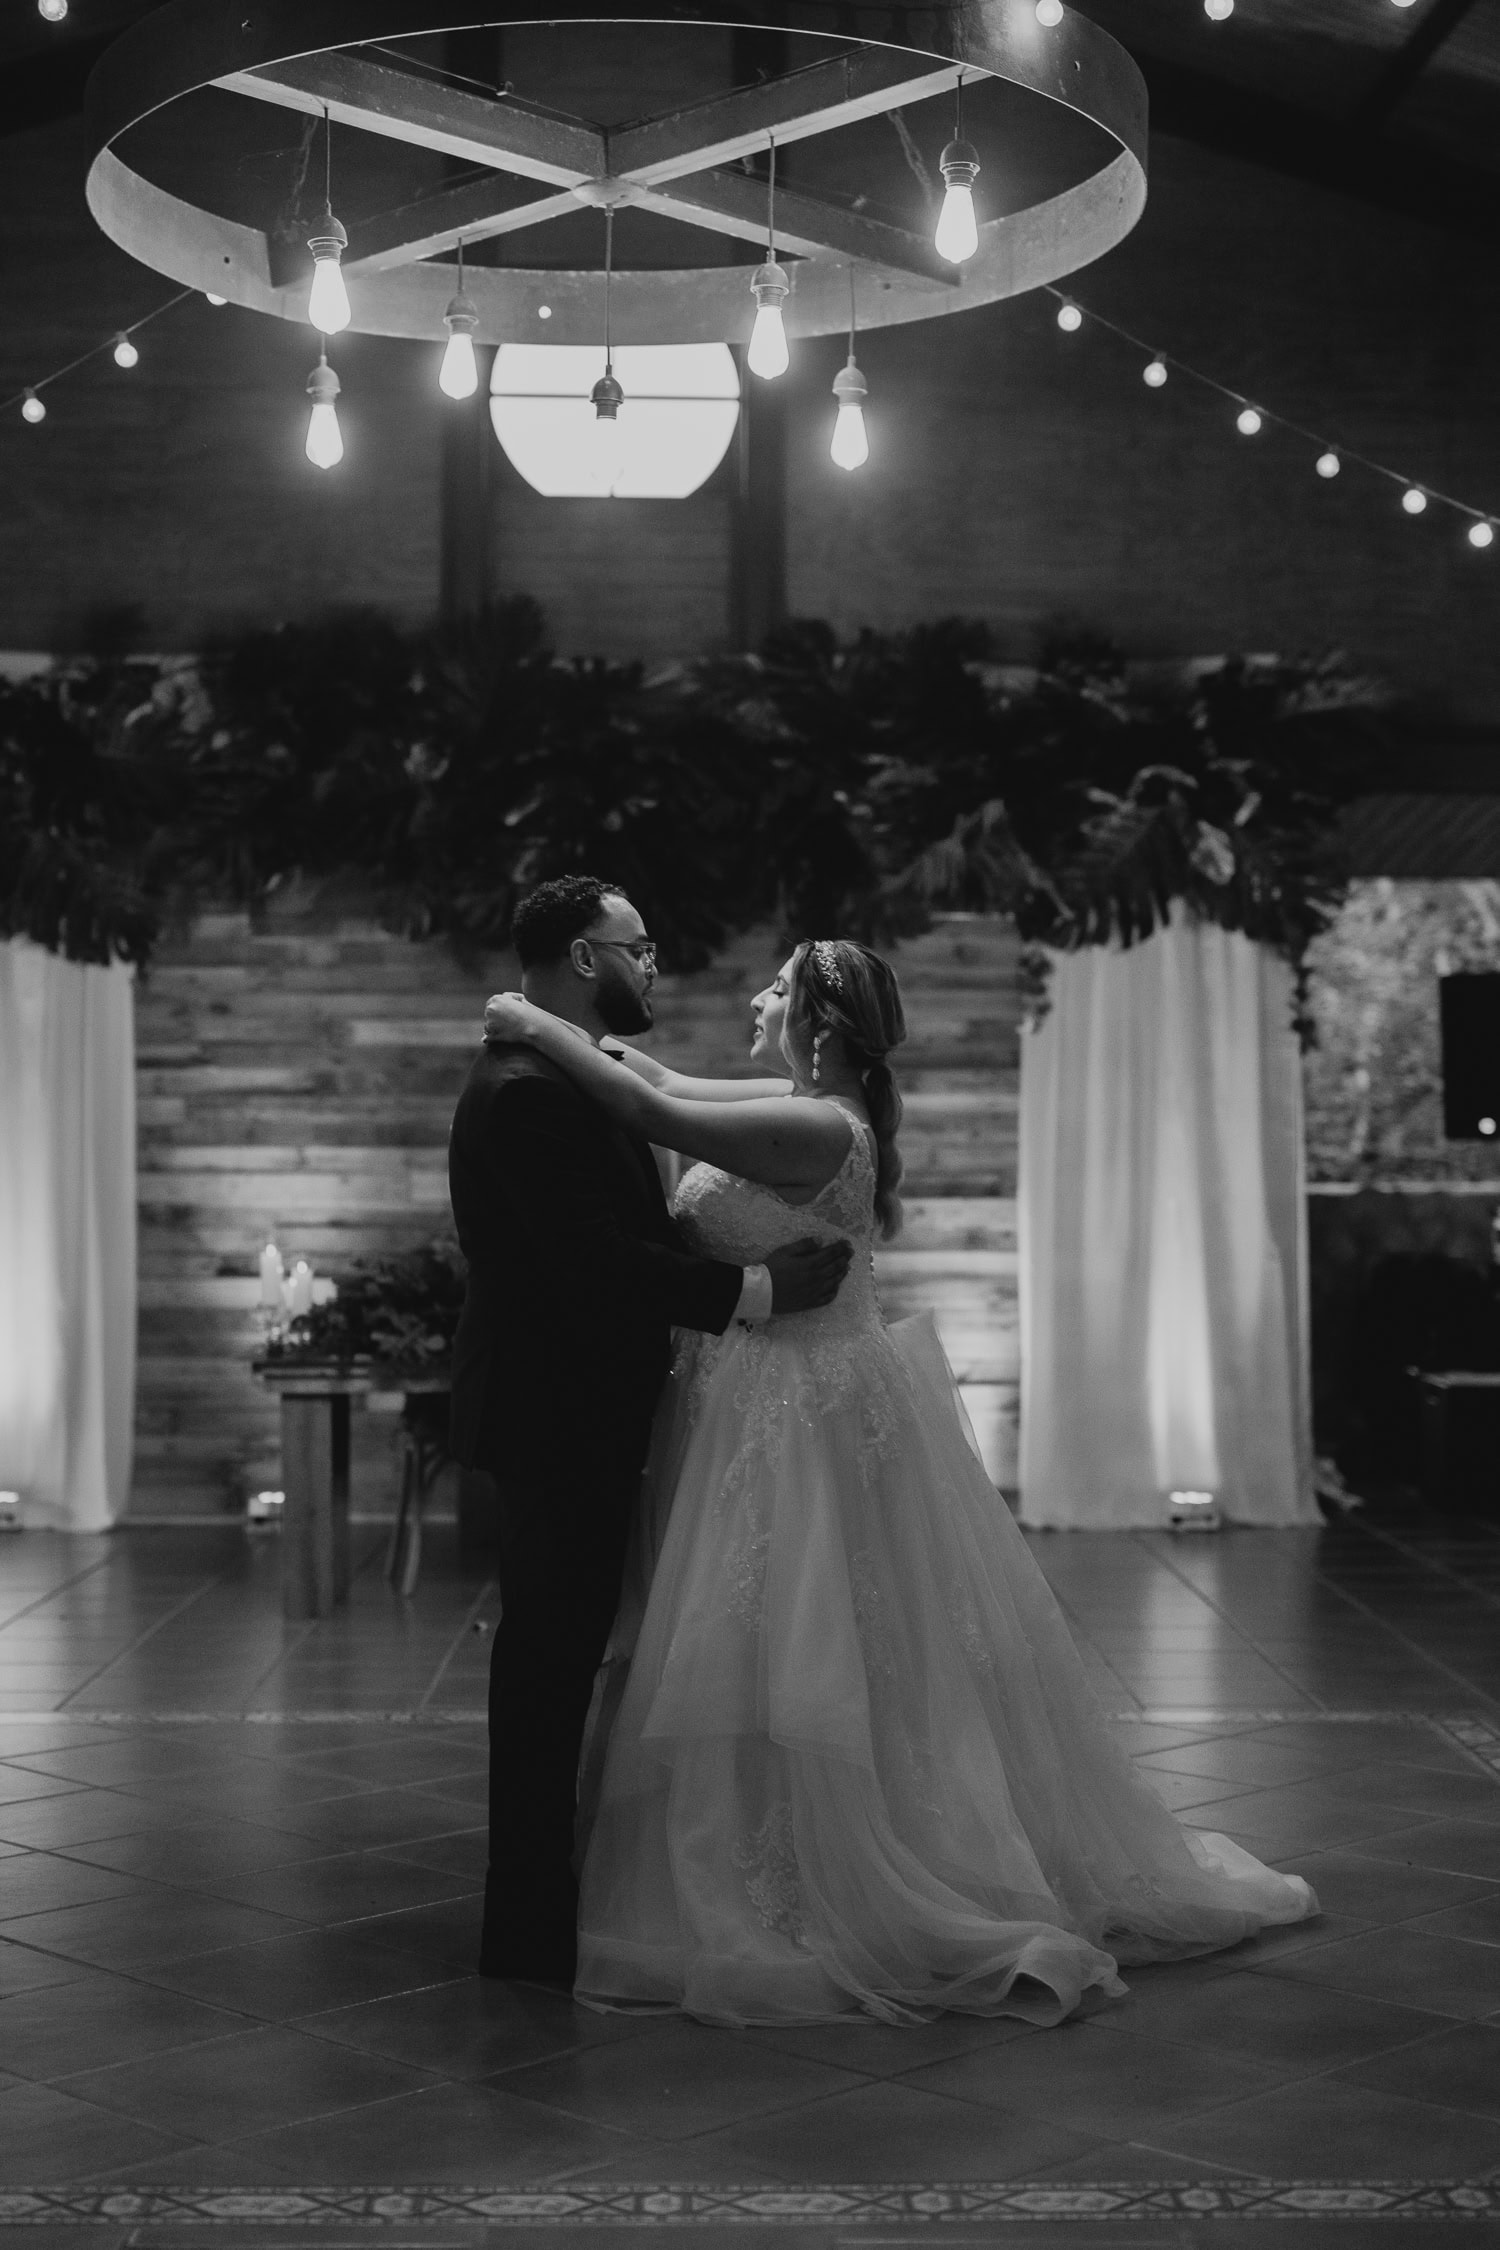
(854, 1764)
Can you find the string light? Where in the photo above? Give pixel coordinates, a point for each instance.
(1217, 10)
(1328, 461)
(125, 354)
(850, 448)
(957, 236)
(32, 408)
(52, 11)
(458, 377)
(768, 356)
(1049, 13)
(325, 440)
(328, 298)
(1154, 373)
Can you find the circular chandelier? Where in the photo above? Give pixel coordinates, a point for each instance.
(400, 272)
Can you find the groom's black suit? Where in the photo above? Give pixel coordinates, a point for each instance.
(576, 1278)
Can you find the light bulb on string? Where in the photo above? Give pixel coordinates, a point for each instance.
(850, 448)
(1154, 373)
(1049, 13)
(32, 408)
(52, 11)
(325, 440)
(1482, 534)
(1414, 500)
(1218, 11)
(768, 356)
(125, 354)
(458, 377)
(607, 396)
(328, 298)
(957, 235)
(1069, 319)
(1328, 464)
(1248, 421)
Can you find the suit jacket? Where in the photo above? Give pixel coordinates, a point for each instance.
(576, 1276)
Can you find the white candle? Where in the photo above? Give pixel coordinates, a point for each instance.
(272, 1274)
(302, 1288)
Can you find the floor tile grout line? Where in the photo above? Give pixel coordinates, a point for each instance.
(121, 1655)
(1415, 1648)
(1219, 1611)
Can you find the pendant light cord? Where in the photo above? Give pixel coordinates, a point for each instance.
(609, 246)
(851, 312)
(771, 202)
(327, 159)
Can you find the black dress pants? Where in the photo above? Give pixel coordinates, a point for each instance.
(563, 1535)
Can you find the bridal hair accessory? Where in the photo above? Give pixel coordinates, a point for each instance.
(826, 954)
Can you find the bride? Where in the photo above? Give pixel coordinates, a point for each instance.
(856, 1767)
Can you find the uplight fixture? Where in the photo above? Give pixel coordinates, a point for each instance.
(32, 409)
(1069, 319)
(768, 356)
(325, 440)
(458, 377)
(1154, 374)
(607, 397)
(126, 354)
(1248, 421)
(1328, 464)
(1482, 534)
(850, 448)
(1414, 500)
(957, 236)
(328, 299)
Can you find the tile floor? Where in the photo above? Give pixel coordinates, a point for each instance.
(239, 1874)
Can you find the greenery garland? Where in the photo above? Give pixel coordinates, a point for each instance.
(831, 785)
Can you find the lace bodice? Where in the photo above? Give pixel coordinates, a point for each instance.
(739, 1220)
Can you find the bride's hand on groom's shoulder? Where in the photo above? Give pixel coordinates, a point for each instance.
(508, 1017)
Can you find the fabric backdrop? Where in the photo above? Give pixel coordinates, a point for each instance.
(67, 1237)
(1163, 1238)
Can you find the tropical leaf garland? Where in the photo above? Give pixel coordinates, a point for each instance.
(835, 785)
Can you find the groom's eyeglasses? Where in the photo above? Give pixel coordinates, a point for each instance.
(642, 951)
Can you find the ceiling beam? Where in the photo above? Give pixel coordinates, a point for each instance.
(865, 82)
(374, 97)
(1406, 66)
(1413, 180)
(471, 211)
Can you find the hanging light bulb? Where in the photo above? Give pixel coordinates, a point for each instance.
(1049, 12)
(1154, 373)
(458, 377)
(52, 11)
(126, 354)
(328, 299)
(325, 440)
(768, 356)
(1069, 318)
(851, 445)
(213, 300)
(1248, 421)
(607, 397)
(1414, 500)
(32, 409)
(1217, 11)
(1328, 464)
(957, 235)
(1482, 534)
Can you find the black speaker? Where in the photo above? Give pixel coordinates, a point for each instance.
(1470, 1008)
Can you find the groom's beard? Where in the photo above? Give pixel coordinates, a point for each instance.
(623, 1011)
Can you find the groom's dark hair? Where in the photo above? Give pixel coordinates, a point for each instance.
(550, 917)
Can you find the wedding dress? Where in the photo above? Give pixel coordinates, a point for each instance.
(857, 1766)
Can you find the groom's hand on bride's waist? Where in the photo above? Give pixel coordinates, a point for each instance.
(807, 1274)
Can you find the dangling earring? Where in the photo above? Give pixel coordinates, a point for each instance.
(818, 1039)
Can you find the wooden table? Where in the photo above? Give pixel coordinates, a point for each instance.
(315, 1478)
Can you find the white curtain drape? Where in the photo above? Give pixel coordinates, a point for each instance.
(1163, 1238)
(67, 1237)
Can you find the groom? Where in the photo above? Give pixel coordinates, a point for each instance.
(576, 1279)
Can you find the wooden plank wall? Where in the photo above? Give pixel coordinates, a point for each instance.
(298, 1078)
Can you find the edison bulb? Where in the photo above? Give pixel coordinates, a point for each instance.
(851, 445)
(328, 299)
(1414, 500)
(1247, 421)
(957, 236)
(768, 354)
(1217, 10)
(1154, 374)
(126, 354)
(52, 11)
(458, 376)
(1481, 534)
(32, 409)
(1069, 318)
(325, 440)
(1328, 464)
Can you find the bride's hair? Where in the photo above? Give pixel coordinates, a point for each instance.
(838, 986)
